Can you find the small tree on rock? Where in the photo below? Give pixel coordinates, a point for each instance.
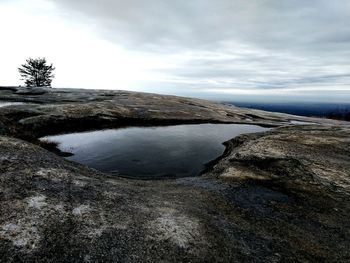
(36, 73)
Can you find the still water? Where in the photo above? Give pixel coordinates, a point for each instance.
(8, 103)
(151, 152)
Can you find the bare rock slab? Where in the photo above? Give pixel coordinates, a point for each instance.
(278, 196)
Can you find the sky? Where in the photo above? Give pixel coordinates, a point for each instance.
(222, 49)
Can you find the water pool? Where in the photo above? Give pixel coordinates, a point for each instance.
(151, 152)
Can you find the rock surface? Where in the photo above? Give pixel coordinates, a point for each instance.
(279, 196)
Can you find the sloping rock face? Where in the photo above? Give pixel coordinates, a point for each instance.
(279, 196)
(51, 111)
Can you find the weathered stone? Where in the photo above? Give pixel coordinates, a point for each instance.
(282, 195)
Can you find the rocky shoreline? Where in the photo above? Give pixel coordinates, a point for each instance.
(278, 196)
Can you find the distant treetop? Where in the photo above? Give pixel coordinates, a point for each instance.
(36, 72)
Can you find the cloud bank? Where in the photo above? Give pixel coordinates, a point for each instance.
(225, 45)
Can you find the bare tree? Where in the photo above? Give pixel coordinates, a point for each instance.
(36, 73)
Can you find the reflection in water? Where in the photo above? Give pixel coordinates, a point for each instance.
(151, 152)
(5, 104)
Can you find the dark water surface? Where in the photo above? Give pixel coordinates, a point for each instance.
(151, 152)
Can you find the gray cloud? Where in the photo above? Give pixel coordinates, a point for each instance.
(251, 44)
(203, 23)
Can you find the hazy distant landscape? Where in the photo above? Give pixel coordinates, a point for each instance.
(338, 111)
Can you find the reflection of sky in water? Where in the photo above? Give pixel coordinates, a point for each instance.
(4, 104)
(151, 152)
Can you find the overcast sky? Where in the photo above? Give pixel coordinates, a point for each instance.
(224, 49)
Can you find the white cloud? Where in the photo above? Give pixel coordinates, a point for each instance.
(35, 29)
